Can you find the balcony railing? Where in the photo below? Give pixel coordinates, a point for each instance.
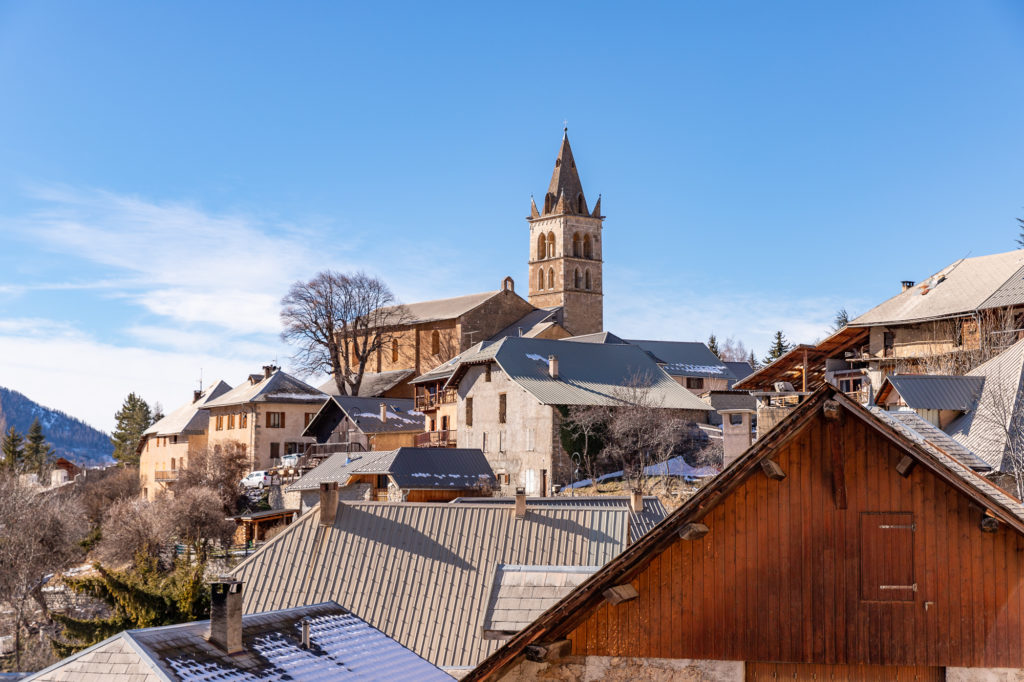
(429, 401)
(165, 476)
(436, 439)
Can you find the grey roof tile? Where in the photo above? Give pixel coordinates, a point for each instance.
(374, 384)
(914, 422)
(519, 594)
(279, 388)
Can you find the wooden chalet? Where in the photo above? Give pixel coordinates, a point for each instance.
(841, 545)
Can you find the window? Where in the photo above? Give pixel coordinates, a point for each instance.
(174, 464)
(551, 278)
(887, 556)
(502, 402)
(309, 417)
(382, 481)
(588, 251)
(542, 249)
(577, 245)
(577, 279)
(586, 280)
(243, 420)
(540, 279)
(469, 412)
(220, 422)
(231, 421)
(581, 206)
(394, 350)
(435, 342)
(551, 244)
(694, 382)
(888, 342)
(958, 333)
(275, 451)
(487, 372)
(736, 419)
(174, 439)
(275, 420)
(444, 423)
(294, 448)
(501, 441)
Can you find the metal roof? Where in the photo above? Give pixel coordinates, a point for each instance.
(934, 391)
(532, 324)
(597, 337)
(588, 373)
(686, 358)
(639, 522)
(373, 384)
(962, 287)
(724, 401)
(411, 468)
(420, 572)
(365, 413)
(190, 417)
(912, 421)
(740, 370)
(519, 594)
(280, 387)
(342, 646)
(338, 467)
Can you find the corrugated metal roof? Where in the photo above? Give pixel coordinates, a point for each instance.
(342, 646)
(420, 572)
(519, 594)
(338, 468)
(588, 373)
(597, 337)
(937, 392)
(279, 388)
(373, 384)
(964, 286)
(411, 468)
(914, 422)
(640, 522)
(686, 358)
(190, 417)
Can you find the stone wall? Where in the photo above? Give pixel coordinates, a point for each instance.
(984, 675)
(612, 669)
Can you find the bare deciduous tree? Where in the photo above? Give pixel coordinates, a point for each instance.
(218, 469)
(338, 322)
(39, 534)
(131, 528)
(195, 516)
(733, 350)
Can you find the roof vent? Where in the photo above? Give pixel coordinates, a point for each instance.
(383, 413)
(305, 632)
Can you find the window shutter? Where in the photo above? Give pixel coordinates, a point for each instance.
(282, 420)
(887, 556)
(268, 420)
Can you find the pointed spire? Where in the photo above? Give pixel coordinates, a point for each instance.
(534, 213)
(565, 193)
(597, 208)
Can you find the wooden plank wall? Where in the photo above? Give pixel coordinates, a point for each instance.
(777, 578)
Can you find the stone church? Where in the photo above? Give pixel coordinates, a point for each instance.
(565, 293)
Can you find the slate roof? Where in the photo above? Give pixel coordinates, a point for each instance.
(740, 370)
(420, 572)
(909, 420)
(365, 413)
(373, 384)
(190, 417)
(533, 323)
(933, 391)
(342, 646)
(994, 424)
(411, 468)
(597, 337)
(964, 286)
(589, 373)
(440, 309)
(519, 594)
(686, 358)
(279, 388)
(639, 522)
(724, 401)
(443, 371)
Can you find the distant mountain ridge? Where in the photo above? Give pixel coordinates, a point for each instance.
(71, 438)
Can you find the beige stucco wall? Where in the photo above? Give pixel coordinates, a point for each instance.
(256, 436)
(984, 675)
(157, 453)
(608, 669)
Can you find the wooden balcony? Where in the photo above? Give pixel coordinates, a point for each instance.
(165, 476)
(436, 439)
(431, 401)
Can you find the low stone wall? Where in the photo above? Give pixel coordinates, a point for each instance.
(614, 668)
(984, 675)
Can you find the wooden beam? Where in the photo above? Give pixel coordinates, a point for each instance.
(693, 531)
(989, 523)
(905, 465)
(772, 470)
(804, 367)
(620, 593)
(834, 419)
(546, 652)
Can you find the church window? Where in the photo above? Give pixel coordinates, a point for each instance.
(586, 280)
(587, 250)
(581, 207)
(577, 249)
(551, 278)
(394, 350)
(540, 279)
(577, 280)
(551, 244)
(435, 342)
(541, 247)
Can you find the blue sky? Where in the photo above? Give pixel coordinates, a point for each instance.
(166, 170)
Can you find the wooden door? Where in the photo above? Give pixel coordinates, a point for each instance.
(759, 672)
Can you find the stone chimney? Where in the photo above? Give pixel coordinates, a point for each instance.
(226, 614)
(906, 284)
(268, 370)
(520, 503)
(735, 437)
(553, 366)
(196, 395)
(328, 503)
(384, 412)
(636, 501)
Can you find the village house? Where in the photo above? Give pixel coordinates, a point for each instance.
(963, 314)
(423, 573)
(357, 424)
(401, 475)
(844, 544)
(166, 445)
(512, 395)
(266, 416)
(312, 642)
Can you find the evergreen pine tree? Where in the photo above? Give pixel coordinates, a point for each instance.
(713, 345)
(1020, 237)
(133, 419)
(752, 360)
(13, 449)
(841, 319)
(37, 451)
(780, 346)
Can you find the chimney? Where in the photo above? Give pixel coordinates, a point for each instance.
(906, 284)
(636, 501)
(328, 503)
(384, 412)
(196, 395)
(553, 366)
(520, 503)
(226, 614)
(268, 370)
(305, 632)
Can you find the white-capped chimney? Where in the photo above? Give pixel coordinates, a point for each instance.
(328, 503)
(226, 614)
(383, 412)
(553, 366)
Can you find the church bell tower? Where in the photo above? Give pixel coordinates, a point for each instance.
(565, 249)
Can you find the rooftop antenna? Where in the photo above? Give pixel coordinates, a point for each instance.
(200, 379)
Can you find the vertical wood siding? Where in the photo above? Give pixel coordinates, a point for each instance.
(778, 578)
